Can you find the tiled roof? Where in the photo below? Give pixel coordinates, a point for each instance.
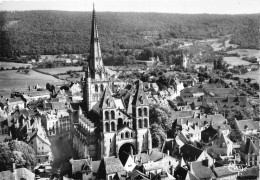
(245, 124)
(77, 164)
(249, 172)
(180, 114)
(16, 99)
(113, 165)
(223, 171)
(58, 105)
(17, 174)
(190, 153)
(191, 176)
(200, 171)
(154, 156)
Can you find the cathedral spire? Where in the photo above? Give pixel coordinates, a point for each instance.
(96, 66)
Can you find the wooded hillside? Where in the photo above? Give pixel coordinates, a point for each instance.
(55, 32)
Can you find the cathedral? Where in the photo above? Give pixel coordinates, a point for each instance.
(109, 122)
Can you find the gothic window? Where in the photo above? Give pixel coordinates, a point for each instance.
(139, 112)
(145, 112)
(122, 135)
(145, 122)
(106, 115)
(127, 134)
(113, 126)
(102, 87)
(132, 134)
(140, 123)
(112, 114)
(107, 127)
(96, 88)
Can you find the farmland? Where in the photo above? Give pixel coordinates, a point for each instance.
(60, 70)
(13, 80)
(9, 65)
(235, 61)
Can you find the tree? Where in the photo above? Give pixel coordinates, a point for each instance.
(26, 71)
(16, 152)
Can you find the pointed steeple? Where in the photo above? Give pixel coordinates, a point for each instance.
(139, 97)
(96, 66)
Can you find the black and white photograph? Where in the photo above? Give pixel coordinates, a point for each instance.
(129, 90)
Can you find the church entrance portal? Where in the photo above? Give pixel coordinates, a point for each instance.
(124, 150)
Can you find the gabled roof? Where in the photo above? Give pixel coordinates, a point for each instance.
(139, 97)
(191, 176)
(245, 124)
(251, 147)
(123, 128)
(199, 170)
(107, 101)
(190, 153)
(109, 165)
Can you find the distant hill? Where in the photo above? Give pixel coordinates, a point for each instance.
(53, 32)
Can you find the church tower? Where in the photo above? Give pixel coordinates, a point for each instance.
(95, 80)
(96, 66)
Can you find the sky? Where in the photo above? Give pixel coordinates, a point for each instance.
(165, 6)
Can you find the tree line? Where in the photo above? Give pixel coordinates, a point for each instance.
(58, 32)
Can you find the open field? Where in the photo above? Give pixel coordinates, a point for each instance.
(255, 75)
(12, 80)
(246, 52)
(60, 70)
(9, 65)
(235, 61)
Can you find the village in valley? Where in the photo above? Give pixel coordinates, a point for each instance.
(152, 119)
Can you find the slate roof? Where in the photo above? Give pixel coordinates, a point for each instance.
(58, 106)
(191, 176)
(190, 153)
(140, 97)
(200, 171)
(223, 171)
(109, 165)
(227, 101)
(251, 147)
(107, 101)
(14, 100)
(154, 156)
(249, 172)
(222, 92)
(248, 123)
(135, 174)
(180, 114)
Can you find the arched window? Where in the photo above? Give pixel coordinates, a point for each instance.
(145, 112)
(108, 102)
(102, 87)
(145, 122)
(107, 127)
(112, 114)
(106, 115)
(96, 88)
(141, 99)
(113, 126)
(132, 134)
(126, 134)
(128, 124)
(139, 112)
(140, 123)
(120, 123)
(122, 135)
